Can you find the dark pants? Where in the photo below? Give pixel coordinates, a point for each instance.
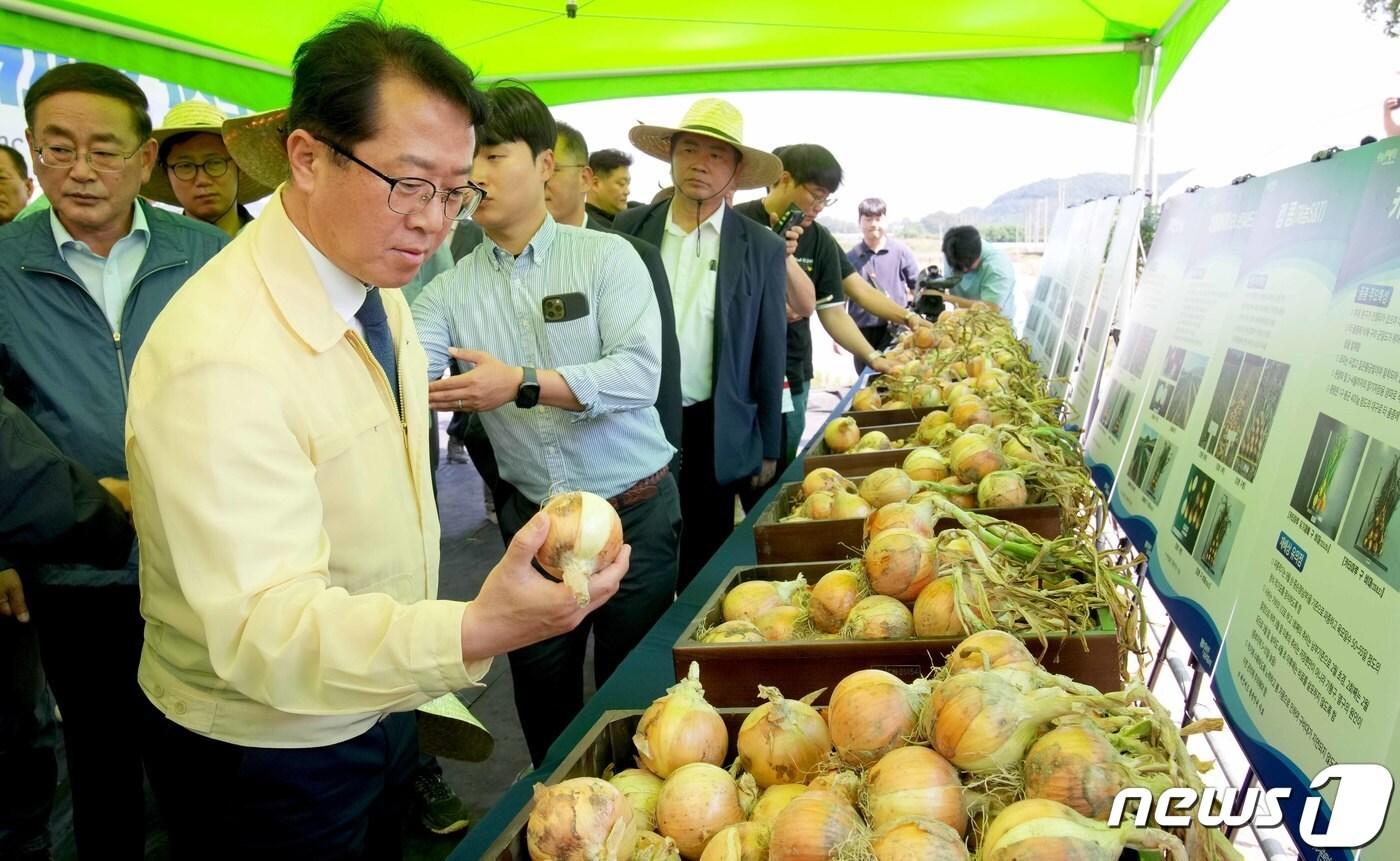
(90, 642)
(707, 507)
(548, 676)
(341, 801)
(28, 740)
(879, 338)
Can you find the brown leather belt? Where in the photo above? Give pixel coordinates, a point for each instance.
(642, 490)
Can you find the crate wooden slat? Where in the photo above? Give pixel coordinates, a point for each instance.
(804, 540)
(732, 672)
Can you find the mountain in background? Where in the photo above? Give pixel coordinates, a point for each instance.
(1018, 214)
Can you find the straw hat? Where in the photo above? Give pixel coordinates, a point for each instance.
(258, 143)
(718, 120)
(197, 116)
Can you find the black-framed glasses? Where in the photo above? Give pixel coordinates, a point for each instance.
(103, 161)
(817, 192)
(411, 194)
(213, 167)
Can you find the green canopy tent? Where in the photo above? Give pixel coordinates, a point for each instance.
(1103, 58)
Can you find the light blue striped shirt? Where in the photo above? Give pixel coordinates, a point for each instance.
(107, 279)
(611, 358)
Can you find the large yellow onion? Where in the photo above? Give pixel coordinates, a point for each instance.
(811, 827)
(640, 788)
(936, 610)
(737, 631)
(653, 847)
(1037, 828)
(931, 426)
(696, 802)
(991, 650)
(780, 623)
(866, 399)
(887, 485)
(782, 740)
(841, 435)
(681, 728)
(914, 781)
(981, 722)
(926, 464)
(917, 839)
(585, 536)
(871, 713)
(874, 441)
(917, 516)
(832, 599)
(824, 478)
(879, 617)
(847, 505)
(773, 800)
(973, 457)
(743, 841)
(899, 563)
(817, 506)
(747, 601)
(583, 819)
(927, 396)
(1079, 767)
(1002, 489)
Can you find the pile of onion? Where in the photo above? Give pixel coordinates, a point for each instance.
(914, 781)
(581, 818)
(832, 598)
(585, 536)
(751, 599)
(744, 841)
(878, 617)
(640, 787)
(1038, 828)
(841, 435)
(1001, 489)
(737, 631)
(917, 839)
(783, 740)
(899, 563)
(681, 728)
(871, 713)
(812, 826)
(696, 802)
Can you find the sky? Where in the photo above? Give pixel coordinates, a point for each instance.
(1269, 84)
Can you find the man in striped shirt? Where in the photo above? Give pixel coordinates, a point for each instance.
(561, 329)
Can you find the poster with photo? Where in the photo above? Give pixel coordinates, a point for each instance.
(1062, 252)
(1328, 474)
(1110, 302)
(1082, 291)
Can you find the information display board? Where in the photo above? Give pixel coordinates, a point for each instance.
(1249, 438)
(1114, 289)
(1083, 287)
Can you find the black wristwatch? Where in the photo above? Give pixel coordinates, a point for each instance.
(528, 395)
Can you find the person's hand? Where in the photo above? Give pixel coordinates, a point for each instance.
(119, 488)
(794, 233)
(1391, 104)
(792, 316)
(488, 385)
(12, 596)
(765, 473)
(518, 606)
(918, 321)
(883, 364)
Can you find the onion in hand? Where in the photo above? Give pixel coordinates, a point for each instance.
(585, 536)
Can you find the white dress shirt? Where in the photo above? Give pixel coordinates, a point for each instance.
(346, 293)
(107, 279)
(692, 265)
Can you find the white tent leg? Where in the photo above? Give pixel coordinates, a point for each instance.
(1143, 111)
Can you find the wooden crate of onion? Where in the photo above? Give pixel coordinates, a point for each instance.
(991, 758)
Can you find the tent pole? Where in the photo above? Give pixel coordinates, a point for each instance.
(1142, 113)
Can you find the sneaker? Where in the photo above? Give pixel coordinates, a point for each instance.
(456, 451)
(440, 810)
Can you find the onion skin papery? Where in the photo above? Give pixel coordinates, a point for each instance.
(585, 536)
(737, 631)
(832, 598)
(871, 713)
(583, 819)
(773, 800)
(899, 563)
(885, 486)
(866, 399)
(841, 435)
(916, 516)
(1002, 489)
(935, 611)
(783, 740)
(640, 787)
(697, 801)
(1041, 829)
(970, 411)
(825, 479)
(914, 781)
(917, 839)
(981, 722)
(681, 728)
(818, 506)
(879, 617)
(929, 425)
(991, 650)
(747, 601)
(926, 464)
(874, 441)
(1079, 767)
(847, 505)
(974, 457)
(811, 827)
(780, 623)
(743, 841)
(842, 783)
(653, 847)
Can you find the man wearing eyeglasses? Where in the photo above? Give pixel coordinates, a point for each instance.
(279, 470)
(80, 286)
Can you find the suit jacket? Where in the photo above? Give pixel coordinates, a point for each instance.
(750, 337)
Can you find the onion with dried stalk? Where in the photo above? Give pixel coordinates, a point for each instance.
(783, 740)
(653, 847)
(970, 411)
(915, 516)
(681, 728)
(866, 399)
(781, 623)
(916, 839)
(737, 631)
(811, 828)
(817, 506)
(930, 426)
(974, 457)
(914, 781)
(871, 713)
(583, 819)
(743, 841)
(1077, 765)
(937, 612)
(873, 441)
(926, 463)
(585, 536)
(1038, 828)
(899, 563)
(751, 599)
(833, 597)
(841, 435)
(773, 800)
(885, 486)
(1001, 489)
(640, 787)
(824, 478)
(879, 617)
(696, 802)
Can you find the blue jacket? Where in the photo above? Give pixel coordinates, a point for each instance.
(61, 363)
(750, 337)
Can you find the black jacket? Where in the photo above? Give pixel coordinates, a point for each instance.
(750, 338)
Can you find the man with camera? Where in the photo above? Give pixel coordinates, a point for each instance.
(984, 273)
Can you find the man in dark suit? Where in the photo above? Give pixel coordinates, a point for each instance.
(729, 285)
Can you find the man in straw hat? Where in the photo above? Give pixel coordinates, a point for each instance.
(729, 280)
(278, 440)
(195, 171)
